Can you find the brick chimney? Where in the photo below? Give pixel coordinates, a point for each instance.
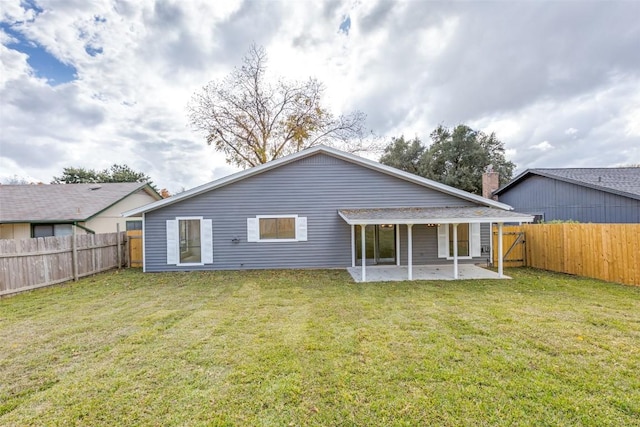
(490, 183)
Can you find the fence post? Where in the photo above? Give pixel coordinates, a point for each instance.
(74, 254)
(118, 245)
(127, 250)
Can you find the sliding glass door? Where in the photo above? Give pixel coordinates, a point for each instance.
(380, 244)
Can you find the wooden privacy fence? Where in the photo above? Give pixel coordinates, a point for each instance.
(134, 239)
(512, 246)
(33, 263)
(603, 251)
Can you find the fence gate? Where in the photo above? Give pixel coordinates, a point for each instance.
(135, 247)
(513, 246)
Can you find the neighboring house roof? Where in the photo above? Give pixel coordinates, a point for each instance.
(310, 152)
(63, 202)
(620, 181)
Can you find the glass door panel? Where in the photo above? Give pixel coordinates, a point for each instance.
(386, 244)
(380, 244)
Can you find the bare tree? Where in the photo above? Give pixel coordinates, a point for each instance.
(253, 121)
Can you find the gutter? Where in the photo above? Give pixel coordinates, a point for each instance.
(88, 230)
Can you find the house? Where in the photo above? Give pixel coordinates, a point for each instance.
(319, 208)
(50, 210)
(599, 195)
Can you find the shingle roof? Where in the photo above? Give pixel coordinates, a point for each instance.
(622, 181)
(415, 215)
(60, 202)
(310, 152)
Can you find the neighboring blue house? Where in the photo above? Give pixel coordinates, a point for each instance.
(600, 195)
(307, 210)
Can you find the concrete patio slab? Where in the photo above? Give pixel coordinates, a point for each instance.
(393, 273)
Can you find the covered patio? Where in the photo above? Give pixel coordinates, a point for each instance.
(394, 273)
(451, 216)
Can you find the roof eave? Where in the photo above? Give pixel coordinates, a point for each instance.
(540, 172)
(144, 186)
(494, 220)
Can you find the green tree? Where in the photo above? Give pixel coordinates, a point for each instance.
(73, 175)
(116, 173)
(253, 121)
(404, 155)
(456, 157)
(122, 173)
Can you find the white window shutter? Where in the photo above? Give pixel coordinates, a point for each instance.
(206, 229)
(301, 225)
(172, 241)
(475, 239)
(253, 230)
(443, 240)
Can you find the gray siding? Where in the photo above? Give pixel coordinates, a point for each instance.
(315, 187)
(559, 200)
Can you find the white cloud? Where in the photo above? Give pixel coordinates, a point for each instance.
(543, 146)
(499, 67)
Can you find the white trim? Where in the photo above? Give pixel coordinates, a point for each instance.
(410, 251)
(206, 241)
(523, 218)
(302, 229)
(296, 239)
(475, 240)
(309, 152)
(295, 228)
(397, 244)
(253, 232)
(172, 241)
(353, 245)
(500, 265)
(144, 257)
(444, 249)
(364, 253)
(491, 244)
(190, 218)
(455, 250)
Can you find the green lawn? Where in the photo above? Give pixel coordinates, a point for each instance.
(312, 348)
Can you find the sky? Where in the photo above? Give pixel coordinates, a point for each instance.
(93, 83)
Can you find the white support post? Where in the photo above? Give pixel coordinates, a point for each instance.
(353, 245)
(376, 254)
(410, 251)
(500, 266)
(455, 251)
(364, 253)
(491, 244)
(398, 244)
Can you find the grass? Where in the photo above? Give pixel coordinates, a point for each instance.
(311, 348)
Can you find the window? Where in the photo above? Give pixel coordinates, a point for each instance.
(190, 248)
(47, 230)
(277, 228)
(463, 240)
(538, 218)
(469, 240)
(189, 241)
(134, 225)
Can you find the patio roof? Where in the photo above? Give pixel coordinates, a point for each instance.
(416, 215)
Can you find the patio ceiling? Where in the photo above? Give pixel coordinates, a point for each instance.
(417, 215)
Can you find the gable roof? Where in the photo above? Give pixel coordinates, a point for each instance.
(63, 202)
(620, 181)
(310, 152)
